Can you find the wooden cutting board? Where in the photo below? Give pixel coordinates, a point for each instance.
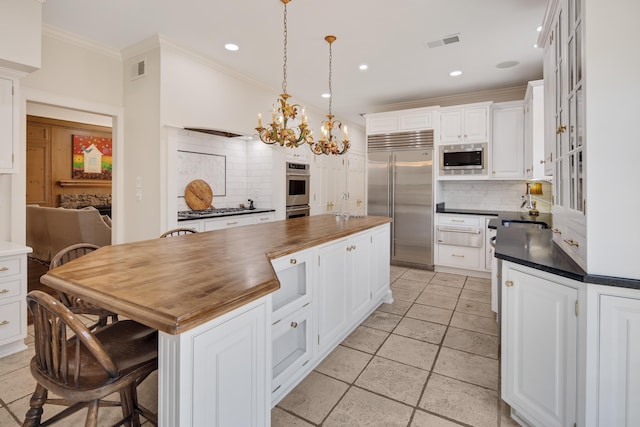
(198, 195)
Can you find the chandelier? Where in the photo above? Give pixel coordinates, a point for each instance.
(277, 131)
(328, 144)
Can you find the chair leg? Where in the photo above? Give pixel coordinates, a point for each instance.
(92, 414)
(34, 414)
(128, 402)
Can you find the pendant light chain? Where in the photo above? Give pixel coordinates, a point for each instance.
(284, 58)
(330, 83)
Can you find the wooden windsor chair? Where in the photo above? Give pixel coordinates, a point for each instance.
(178, 232)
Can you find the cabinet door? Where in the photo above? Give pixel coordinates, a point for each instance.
(229, 388)
(451, 126)
(359, 274)
(619, 362)
(332, 292)
(539, 340)
(475, 124)
(334, 180)
(380, 262)
(507, 148)
(355, 183)
(7, 145)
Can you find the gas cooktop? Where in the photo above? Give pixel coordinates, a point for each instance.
(213, 212)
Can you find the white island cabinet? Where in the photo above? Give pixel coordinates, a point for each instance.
(13, 290)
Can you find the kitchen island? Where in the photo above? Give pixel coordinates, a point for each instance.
(209, 295)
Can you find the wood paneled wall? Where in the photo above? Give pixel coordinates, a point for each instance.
(49, 160)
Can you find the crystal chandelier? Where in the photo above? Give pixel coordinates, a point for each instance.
(328, 144)
(277, 131)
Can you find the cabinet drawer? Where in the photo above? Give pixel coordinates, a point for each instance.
(9, 320)
(9, 267)
(230, 222)
(292, 347)
(294, 275)
(459, 256)
(460, 220)
(9, 289)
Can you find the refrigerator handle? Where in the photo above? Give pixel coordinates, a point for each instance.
(392, 197)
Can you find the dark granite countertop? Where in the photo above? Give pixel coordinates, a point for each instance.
(221, 215)
(499, 215)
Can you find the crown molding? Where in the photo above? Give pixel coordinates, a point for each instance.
(76, 40)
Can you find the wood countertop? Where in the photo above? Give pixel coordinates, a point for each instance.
(177, 283)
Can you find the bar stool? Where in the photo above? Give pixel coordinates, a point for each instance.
(82, 367)
(75, 304)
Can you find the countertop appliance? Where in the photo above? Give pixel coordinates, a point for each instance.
(400, 185)
(463, 159)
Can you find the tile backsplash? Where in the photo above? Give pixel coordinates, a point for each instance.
(492, 195)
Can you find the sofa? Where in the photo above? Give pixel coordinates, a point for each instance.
(51, 229)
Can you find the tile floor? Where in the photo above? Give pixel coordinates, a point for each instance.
(429, 359)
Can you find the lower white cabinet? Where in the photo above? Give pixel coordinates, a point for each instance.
(539, 347)
(13, 290)
(618, 390)
(380, 264)
(209, 224)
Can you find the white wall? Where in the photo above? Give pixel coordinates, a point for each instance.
(613, 141)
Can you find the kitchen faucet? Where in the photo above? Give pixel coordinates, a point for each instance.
(527, 200)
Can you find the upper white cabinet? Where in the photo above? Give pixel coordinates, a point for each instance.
(464, 123)
(534, 148)
(8, 126)
(507, 142)
(356, 172)
(539, 347)
(399, 121)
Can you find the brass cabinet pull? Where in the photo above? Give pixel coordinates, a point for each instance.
(508, 283)
(4, 291)
(556, 231)
(4, 268)
(353, 247)
(561, 129)
(457, 256)
(571, 242)
(293, 261)
(294, 324)
(4, 322)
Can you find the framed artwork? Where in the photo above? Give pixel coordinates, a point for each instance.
(92, 158)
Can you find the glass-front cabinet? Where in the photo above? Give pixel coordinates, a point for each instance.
(564, 119)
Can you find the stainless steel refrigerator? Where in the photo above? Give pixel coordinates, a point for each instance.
(400, 185)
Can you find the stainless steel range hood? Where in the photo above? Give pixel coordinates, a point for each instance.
(215, 132)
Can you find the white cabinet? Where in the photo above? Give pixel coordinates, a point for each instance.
(13, 291)
(507, 141)
(539, 346)
(8, 126)
(618, 370)
(333, 306)
(220, 372)
(295, 274)
(534, 156)
(380, 264)
(464, 123)
(399, 121)
(460, 244)
(210, 224)
(359, 274)
(356, 171)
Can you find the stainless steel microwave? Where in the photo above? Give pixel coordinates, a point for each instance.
(463, 159)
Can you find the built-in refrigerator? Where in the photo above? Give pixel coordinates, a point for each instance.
(400, 185)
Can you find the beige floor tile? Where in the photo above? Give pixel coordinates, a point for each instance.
(17, 385)
(447, 291)
(419, 275)
(470, 322)
(468, 294)
(281, 418)
(362, 408)
(404, 294)
(383, 321)
(409, 351)
(448, 279)
(477, 285)
(430, 314)
(344, 364)
(460, 401)
(420, 330)
(397, 271)
(471, 368)
(394, 380)
(314, 397)
(6, 419)
(398, 307)
(472, 342)
(410, 285)
(365, 339)
(476, 308)
(424, 419)
(16, 361)
(436, 300)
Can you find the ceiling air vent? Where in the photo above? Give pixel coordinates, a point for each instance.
(453, 38)
(138, 69)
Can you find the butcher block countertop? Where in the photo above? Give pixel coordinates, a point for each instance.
(177, 283)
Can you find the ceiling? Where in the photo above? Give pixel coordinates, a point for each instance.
(389, 36)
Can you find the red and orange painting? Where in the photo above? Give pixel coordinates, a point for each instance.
(92, 157)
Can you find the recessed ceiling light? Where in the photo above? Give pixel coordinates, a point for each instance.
(363, 67)
(535, 45)
(507, 64)
(455, 73)
(539, 29)
(326, 95)
(232, 47)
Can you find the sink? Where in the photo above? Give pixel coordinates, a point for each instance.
(521, 223)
